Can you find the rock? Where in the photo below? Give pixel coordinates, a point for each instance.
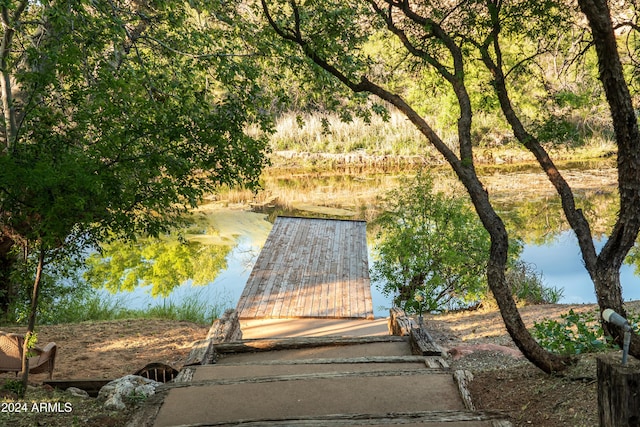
(465, 350)
(130, 389)
(77, 392)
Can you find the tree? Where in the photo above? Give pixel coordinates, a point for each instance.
(447, 37)
(604, 268)
(117, 118)
(430, 243)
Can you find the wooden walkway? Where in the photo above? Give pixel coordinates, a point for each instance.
(310, 268)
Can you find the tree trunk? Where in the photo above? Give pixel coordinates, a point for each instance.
(7, 263)
(546, 361)
(32, 321)
(606, 272)
(609, 295)
(496, 267)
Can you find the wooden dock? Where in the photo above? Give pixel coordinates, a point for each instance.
(310, 267)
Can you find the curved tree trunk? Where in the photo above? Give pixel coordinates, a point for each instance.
(603, 268)
(546, 361)
(497, 265)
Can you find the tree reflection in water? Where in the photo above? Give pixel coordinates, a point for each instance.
(159, 264)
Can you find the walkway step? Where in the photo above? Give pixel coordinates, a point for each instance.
(314, 396)
(407, 419)
(377, 382)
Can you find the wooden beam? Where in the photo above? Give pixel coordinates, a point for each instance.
(463, 378)
(201, 354)
(394, 418)
(422, 343)
(311, 376)
(226, 328)
(399, 323)
(339, 361)
(250, 346)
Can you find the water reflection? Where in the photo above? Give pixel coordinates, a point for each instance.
(560, 262)
(158, 265)
(558, 259)
(530, 212)
(211, 261)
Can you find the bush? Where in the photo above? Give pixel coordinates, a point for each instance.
(432, 245)
(575, 333)
(527, 287)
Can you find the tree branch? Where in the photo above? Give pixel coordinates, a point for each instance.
(575, 217)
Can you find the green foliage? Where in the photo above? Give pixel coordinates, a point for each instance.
(158, 263)
(15, 386)
(430, 243)
(89, 305)
(192, 308)
(136, 397)
(97, 305)
(60, 287)
(125, 117)
(575, 333)
(527, 286)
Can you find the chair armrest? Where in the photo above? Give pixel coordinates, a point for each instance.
(44, 353)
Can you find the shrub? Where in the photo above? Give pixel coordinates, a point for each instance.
(430, 244)
(575, 333)
(527, 287)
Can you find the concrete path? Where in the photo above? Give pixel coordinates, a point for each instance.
(307, 372)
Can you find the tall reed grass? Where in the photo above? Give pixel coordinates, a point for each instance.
(100, 305)
(590, 137)
(326, 133)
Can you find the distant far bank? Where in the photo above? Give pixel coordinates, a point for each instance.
(496, 156)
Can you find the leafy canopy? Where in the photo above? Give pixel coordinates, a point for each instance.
(127, 114)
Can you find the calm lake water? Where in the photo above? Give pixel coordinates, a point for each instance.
(558, 261)
(524, 196)
(561, 265)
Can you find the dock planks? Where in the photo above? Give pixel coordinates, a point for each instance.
(310, 267)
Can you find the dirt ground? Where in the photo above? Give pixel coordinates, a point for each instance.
(503, 379)
(96, 350)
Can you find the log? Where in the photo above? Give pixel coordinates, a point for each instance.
(436, 362)
(393, 418)
(399, 323)
(463, 378)
(185, 375)
(250, 346)
(202, 353)
(422, 344)
(340, 361)
(308, 377)
(618, 391)
(226, 328)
